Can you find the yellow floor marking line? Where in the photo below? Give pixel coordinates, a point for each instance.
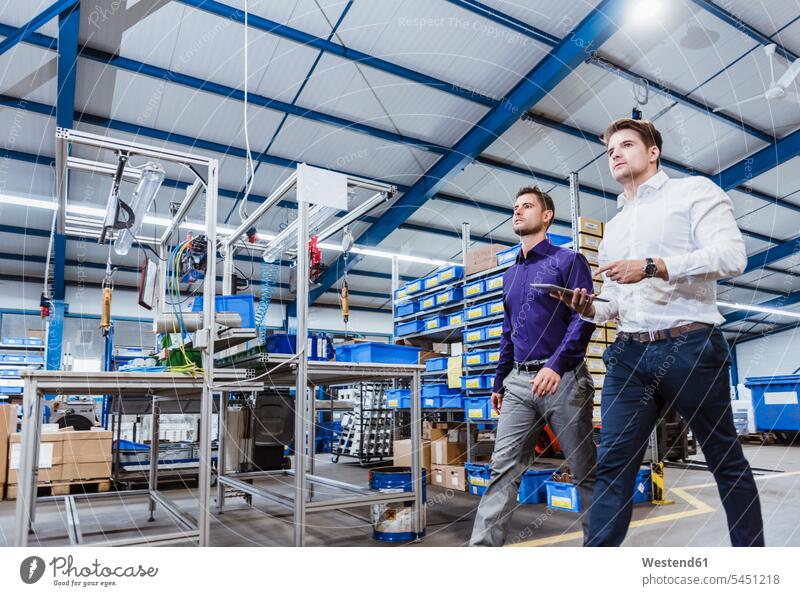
(698, 508)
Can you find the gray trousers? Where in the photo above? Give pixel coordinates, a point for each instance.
(522, 418)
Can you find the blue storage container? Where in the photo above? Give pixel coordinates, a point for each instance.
(776, 402)
(451, 295)
(408, 328)
(378, 352)
(241, 304)
(563, 495)
(427, 303)
(494, 331)
(532, 489)
(643, 489)
(475, 335)
(284, 343)
(434, 323)
(396, 397)
(435, 364)
(475, 312)
(409, 308)
(494, 308)
(14, 341)
(430, 282)
(492, 356)
(474, 358)
(392, 522)
(455, 402)
(33, 359)
(11, 390)
(448, 274)
(414, 287)
(9, 372)
(455, 320)
(476, 382)
(478, 477)
(476, 288)
(508, 255)
(432, 402)
(400, 293)
(494, 283)
(439, 390)
(12, 358)
(479, 408)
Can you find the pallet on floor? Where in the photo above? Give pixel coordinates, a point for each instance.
(57, 489)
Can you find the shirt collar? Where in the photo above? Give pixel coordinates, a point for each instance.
(651, 185)
(542, 249)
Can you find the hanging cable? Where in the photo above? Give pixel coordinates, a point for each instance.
(249, 170)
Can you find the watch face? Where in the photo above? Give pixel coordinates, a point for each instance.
(651, 269)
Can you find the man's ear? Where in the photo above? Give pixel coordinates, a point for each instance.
(655, 153)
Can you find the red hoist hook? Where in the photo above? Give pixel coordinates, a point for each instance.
(314, 260)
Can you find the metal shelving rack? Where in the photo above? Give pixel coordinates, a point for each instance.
(18, 366)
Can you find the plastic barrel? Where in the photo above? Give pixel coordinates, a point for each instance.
(393, 522)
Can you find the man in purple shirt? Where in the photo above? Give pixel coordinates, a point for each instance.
(541, 376)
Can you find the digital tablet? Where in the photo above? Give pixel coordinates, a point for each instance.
(567, 292)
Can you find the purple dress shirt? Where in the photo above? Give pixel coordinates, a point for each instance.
(536, 326)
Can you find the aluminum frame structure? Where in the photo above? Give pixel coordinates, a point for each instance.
(112, 383)
(298, 371)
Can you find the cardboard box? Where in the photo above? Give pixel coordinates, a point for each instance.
(596, 365)
(598, 396)
(591, 256)
(423, 356)
(587, 241)
(446, 452)
(87, 446)
(611, 335)
(598, 380)
(402, 455)
(50, 457)
(598, 286)
(434, 430)
(593, 227)
(8, 424)
(611, 324)
(595, 349)
(85, 471)
(599, 334)
(455, 477)
(437, 476)
(481, 259)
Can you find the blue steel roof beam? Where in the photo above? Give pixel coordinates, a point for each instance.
(752, 288)
(780, 302)
(593, 31)
(15, 35)
(306, 39)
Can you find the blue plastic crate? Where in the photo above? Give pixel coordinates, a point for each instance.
(451, 295)
(492, 356)
(451, 273)
(401, 293)
(456, 319)
(9, 372)
(408, 328)
(508, 255)
(474, 358)
(241, 304)
(474, 289)
(409, 308)
(453, 402)
(479, 408)
(563, 495)
(414, 287)
(12, 358)
(33, 359)
(474, 335)
(432, 402)
(478, 477)
(428, 302)
(11, 390)
(475, 312)
(434, 323)
(495, 307)
(284, 343)
(395, 398)
(494, 331)
(532, 489)
(476, 381)
(439, 390)
(430, 282)
(643, 489)
(435, 364)
(378, 352)
(494, 283)
(776, 402)
(14, 341)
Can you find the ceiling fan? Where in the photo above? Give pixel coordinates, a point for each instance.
(777, 89)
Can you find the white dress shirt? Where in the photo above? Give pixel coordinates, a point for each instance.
(689, 223)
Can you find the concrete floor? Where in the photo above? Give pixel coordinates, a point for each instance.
(695, 518)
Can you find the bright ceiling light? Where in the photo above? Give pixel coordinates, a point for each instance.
(764, 309)
(646, 11)
(26, 202)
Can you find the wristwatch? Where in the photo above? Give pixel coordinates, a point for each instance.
(650, 268)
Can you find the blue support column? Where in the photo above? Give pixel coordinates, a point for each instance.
(55, 334)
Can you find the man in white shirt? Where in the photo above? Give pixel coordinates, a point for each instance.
(661, 255)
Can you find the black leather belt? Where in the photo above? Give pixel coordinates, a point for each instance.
(531, 366)
(661, 334)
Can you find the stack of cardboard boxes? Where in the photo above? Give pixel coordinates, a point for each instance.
(590, 234)
(8, 424)
(481, 259)
(66, 456)
(444, 451)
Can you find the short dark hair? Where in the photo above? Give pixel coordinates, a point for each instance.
(646, 130)
(545, 200)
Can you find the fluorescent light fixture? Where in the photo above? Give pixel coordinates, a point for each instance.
(26, 202)
(763, 309)
(646, 11)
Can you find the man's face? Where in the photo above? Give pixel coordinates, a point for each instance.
(628, 156)
(529, 217)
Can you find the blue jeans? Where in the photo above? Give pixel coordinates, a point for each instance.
(691, 373)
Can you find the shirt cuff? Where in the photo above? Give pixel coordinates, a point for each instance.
(556, 364)
(498, 385)
(676, 266)
(601, 313)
